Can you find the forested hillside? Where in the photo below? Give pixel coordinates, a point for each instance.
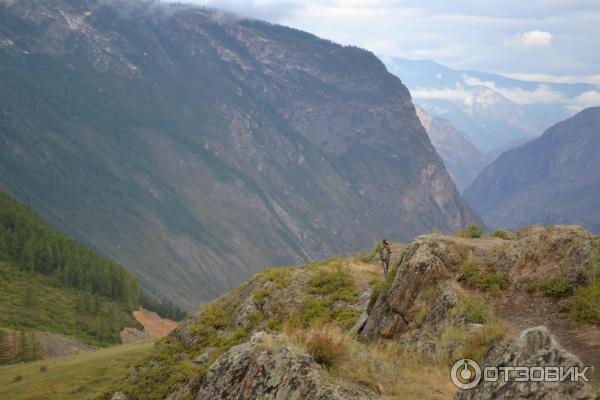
(51, 283)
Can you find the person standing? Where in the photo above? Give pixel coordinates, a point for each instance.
(385, 253)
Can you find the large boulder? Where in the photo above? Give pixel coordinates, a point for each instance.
(533, 347)
(423, 265)
(262, 369)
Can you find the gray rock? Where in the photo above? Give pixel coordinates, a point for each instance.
(119, 396)
(360, 324)
(339, 305)
(533, 347)
(260, 369)
(204, 357)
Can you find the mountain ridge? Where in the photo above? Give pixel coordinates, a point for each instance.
(551, 179)
(199, 148)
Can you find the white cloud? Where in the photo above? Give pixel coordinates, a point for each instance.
(593, 79)
(584, 100)
(531, 38)
(543, 94)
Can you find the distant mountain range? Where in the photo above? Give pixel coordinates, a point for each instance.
(554, 179)
(197, 148)
(496, 112)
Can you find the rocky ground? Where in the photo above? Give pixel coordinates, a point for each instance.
(339, 329)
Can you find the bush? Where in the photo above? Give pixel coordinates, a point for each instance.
(336, 284)
(585, 304)
(260, 297)
(473, 231)
(473, 309)
(324, 348)
(500, 233)
(18, 378)
(281, 276)
(555, 287)
(43, 368)
(485, 279)
(313, 310)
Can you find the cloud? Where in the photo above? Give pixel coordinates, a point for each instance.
(531, 38)
(543, 94)
(593, 79)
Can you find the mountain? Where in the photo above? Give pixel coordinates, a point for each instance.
(195, 147)
(462, 159)
(495, 111)
(552, 179)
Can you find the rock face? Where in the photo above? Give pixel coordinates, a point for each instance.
(256, 370)
(195, 147)
(462, 159)
(551, 180)
(534, 347)
(423, 265)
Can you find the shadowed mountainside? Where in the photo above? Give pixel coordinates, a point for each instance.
(196, 148)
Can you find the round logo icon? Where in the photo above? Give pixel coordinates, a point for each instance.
(465, 374)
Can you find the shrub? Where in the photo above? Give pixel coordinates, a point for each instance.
(473, 309)
(43, 368)
(313, 310)
(334, 284)
(473, 231)
(18, 378)
(281, 276)
(500, 233)
(325, 348)
(260, 297)
(486, 279)
(585, 304)
(555, 287)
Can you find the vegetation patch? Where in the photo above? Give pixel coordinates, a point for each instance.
(382, 286)
(473, 232)
(280, 276)
(501, 234)
(483, 278)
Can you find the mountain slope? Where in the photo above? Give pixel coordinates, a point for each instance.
(462, 159)
(195, 148)
(553, 179)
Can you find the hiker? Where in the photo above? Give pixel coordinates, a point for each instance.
(384, 255)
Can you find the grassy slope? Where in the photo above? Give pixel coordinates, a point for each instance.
(29, 302)
(84, 376)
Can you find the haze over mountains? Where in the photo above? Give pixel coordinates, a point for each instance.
(551, 180)
(196, 148)
(496, 112)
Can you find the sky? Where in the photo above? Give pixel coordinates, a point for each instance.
(546, 40)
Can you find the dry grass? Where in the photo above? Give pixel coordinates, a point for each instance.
(382, 367)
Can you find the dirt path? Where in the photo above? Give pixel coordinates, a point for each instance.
(522, 310)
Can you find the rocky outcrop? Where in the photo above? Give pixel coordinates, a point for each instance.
(534, 347)
(423, 265)
(262, 369)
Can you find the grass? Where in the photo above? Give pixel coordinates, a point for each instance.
(84, 376)
(29, 301)
(500, 233)
(382, 367)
